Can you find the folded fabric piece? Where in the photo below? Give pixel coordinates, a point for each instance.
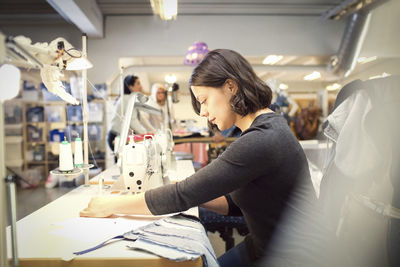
(177, 238)
(178, 233)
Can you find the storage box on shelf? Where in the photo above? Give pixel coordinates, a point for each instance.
(14, 156)
(35, 129)
(13, 132)
(34, 142)
(30, 92)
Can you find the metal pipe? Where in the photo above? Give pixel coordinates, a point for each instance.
(10, 180)
(3, 199)
(353, 37)
(121, 89)
(85, 113)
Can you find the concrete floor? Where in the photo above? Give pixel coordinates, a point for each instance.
(30, 200)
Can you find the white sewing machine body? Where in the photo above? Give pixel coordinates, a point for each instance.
(140, 168)
(164, 140)
(143, 164)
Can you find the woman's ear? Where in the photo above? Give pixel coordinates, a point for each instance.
(232, 86)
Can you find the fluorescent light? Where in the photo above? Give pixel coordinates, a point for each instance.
(10, 77)
(170, 78)
(283, 86)
(383, 75)
(170, 9)
(272, 59)
(364, 60)
(333, 87)
(166, 9)
(80, 63)
(313, 76)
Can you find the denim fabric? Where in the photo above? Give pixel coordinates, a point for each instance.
(175, 238)
(236, 256)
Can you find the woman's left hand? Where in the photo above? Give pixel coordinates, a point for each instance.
(99, 207)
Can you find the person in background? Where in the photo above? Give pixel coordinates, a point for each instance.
(158, 99)
(138, 124)
(307, 122)
(263, 175)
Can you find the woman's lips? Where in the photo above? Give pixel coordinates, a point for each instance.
(212, 121)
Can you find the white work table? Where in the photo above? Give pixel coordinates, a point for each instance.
(50, 235)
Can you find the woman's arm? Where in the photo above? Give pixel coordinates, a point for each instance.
(218, 205)
(145, 120)
(136, 123)
(107, 206)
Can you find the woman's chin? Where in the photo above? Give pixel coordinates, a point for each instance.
(222, 127)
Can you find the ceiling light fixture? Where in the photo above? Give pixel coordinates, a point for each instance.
(272, 59)
(313, 76)
(170, 78)
(364, 60)
(283, 86)
(383, 75)
(166, 9)
(80, 63)
(333, 87)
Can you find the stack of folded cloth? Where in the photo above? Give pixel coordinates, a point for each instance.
(177, 238)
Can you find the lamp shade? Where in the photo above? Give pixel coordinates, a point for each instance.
(80, 63)
(9, 81)
(196, 53)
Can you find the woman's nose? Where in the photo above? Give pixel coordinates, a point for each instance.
(203, 111)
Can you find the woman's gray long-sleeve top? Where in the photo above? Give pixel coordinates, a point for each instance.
(264, 174)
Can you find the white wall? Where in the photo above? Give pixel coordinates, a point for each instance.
(250, 35)
(184, 110)
(127, 36)
(383, 38)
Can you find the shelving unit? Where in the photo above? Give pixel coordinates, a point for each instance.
(38, 151)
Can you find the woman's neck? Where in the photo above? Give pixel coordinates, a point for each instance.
(244, 122)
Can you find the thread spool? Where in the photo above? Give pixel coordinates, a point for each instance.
(66, 163)
(78, 156)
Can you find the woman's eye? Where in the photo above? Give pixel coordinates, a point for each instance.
(203, 102)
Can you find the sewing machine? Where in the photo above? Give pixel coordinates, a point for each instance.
(164, 140)
(140, 164)
(143, 164)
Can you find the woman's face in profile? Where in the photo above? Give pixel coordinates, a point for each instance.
(215, 105)
(137, 87)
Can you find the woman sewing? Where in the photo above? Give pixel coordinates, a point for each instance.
(159, 100)
(138, 125)
(263, 175)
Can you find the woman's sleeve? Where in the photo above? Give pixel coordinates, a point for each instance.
(233, 209)
(236, 167)
(145, 120)
(136, 124)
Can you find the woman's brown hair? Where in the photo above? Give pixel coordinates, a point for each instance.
(222, 64)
